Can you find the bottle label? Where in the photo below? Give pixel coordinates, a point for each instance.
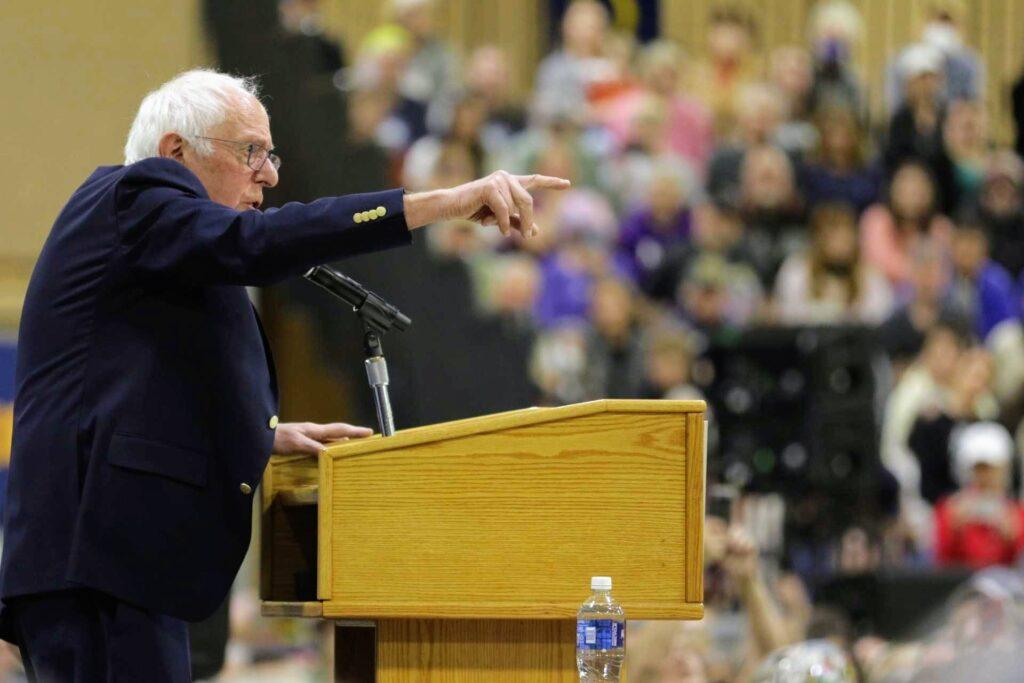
(599, 634)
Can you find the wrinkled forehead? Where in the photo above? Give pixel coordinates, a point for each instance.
(248, 121)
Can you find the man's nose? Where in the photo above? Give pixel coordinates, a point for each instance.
(268, 175)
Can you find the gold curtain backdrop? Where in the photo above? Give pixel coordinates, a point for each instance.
(75, 71)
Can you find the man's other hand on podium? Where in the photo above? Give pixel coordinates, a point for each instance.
(308, 437)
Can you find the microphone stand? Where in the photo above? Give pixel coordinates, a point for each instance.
(377, 317)
(377, 374)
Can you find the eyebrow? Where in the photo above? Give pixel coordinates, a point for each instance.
(256, 139)
(262, 142)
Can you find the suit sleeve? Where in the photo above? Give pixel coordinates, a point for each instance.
(168, 229)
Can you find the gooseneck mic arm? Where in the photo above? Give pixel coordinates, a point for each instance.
(374, 311)
(377, 316)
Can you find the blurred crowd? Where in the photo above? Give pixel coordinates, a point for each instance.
(740, 189)
(734, 190)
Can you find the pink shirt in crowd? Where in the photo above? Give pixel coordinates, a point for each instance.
(889, 251)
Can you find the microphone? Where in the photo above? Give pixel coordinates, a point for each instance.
(374, 310)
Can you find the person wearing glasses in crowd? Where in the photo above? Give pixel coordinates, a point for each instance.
(145, 401)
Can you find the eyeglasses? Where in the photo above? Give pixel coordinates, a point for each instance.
(257, 155)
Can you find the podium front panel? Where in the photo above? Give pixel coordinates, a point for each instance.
(508, 516)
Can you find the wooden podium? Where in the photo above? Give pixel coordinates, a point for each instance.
(461, 551)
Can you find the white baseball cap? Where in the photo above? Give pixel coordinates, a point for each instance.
(981, 443)
(920, 58)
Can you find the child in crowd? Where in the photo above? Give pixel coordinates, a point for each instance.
(980, 525)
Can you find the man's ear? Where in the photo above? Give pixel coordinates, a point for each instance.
(172, 146)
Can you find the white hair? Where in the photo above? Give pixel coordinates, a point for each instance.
(190, 104)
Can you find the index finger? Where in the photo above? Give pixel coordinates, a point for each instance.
(546, 182)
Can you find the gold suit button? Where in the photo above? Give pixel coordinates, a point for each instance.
(245, 488)
(381, 211)
(357, 217)
(273, 422)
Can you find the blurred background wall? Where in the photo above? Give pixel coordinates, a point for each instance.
(73, 74)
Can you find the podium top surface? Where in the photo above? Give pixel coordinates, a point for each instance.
(499, 421)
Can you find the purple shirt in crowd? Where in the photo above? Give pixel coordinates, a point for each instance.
(643, 243)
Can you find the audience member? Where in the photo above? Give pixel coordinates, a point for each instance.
(835, 31)
(613, 343)
(489, 76)
(629, 173)
(915, 131)
(465, 129)
(1001, 209)
(656, 225)
(718, 230)
(687, 130)
(830, 283)
(966, 137)
(902, 335)
(379, 69)
(960, 68)
(581, 256)
(890, 231)
(791, 74)
(718, 78)
(772, 210)
(930, 440)
(512, 289)
(718, 297)
(926, 385)
(431, 76)
(668, 357)
(839, 170)
(980, 525)
(760, 112)
(982, 291)
(564, 76)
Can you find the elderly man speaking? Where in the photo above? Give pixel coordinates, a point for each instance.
(145, 407)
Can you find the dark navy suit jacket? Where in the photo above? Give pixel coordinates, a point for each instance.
(145, 387)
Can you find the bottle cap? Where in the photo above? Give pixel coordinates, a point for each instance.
(600, 583)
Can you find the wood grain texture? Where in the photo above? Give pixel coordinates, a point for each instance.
(694, 524)
(510, 515)
(266, 533)
(291, 472)
(461, 651)
(503, 421)
(324, 530)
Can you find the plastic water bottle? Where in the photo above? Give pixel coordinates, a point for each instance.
(600, 634)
